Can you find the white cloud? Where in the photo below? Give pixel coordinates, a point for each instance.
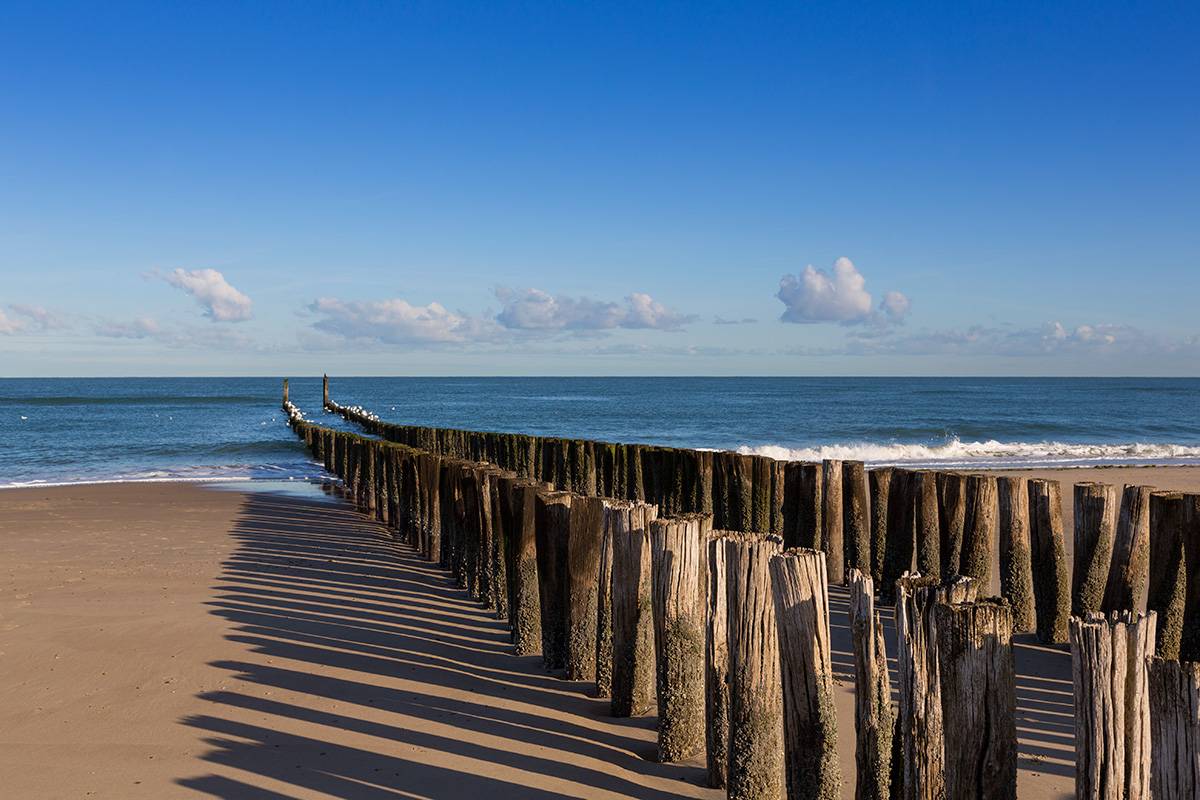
(837, 296)
(534, 310)
(29, 319)
(397, 322)
(220, 301)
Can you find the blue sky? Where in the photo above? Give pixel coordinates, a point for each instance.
(528, 188)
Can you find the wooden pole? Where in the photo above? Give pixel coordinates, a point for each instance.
(831, 520)
(679, 577)
(1175, 729)
(716, 672)
(1131, 552)
(324, 391)
(901, 543)
(881, 482)
(553, 514)
(800, 588)
(604, 598)
(285, 393)
(1051, 592)
(1112, 709)
(1016, 564)
(922, 747)
(585, 548)
(755, 691)
(1166, 590)
(808, 506)
(979, 529)
(873, 718)
(525, 611)
(1095, 524)
(856, 516)
(979, 699)
(634, 674)
(926, 522)
(1189, 643)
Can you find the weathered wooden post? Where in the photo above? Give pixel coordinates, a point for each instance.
(755, 692)
(1051, 592)
(901, 541)
(952, 515)
(1131, 552)
(979, 698)
(285, 394)
(679, 578)
(634, 673)
(856, 516)
(1095, 523)
(763, 494)
(716, 661)
(809, 522)
(553, 510)
(873, 718)
(922, 748)
(831, 520)
(1016, 564)
(926, 522)
(518, 497)
(743, 490)
(800, 589)
(979, 529)
(881, 483)
(1166, 590)
(604, 598)
(1189, 642)
(1175, 729)
(1112, 709)
(324, 391)
(585, 546)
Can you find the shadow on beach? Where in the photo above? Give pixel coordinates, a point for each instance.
(370, 673)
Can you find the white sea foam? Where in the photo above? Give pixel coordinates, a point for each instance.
(990, 454)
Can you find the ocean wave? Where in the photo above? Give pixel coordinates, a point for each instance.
(956, 453)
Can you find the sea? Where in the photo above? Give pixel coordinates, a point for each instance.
(57, 431)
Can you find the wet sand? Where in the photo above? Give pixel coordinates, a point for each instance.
(171, 640)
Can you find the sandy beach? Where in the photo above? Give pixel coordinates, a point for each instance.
(173, 640)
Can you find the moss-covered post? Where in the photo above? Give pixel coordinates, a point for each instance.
(633, 676)
(874, 721)
(716, 662)
(553, 510)
(518, 499)
(926, 522)
(1189, 644)
(881, 484)
(979, 529)
(809, 522)
(1166, 591)
(756, 765)
(1095, 524)
(585, 548)
(1051, 588)
(952, 515)
(1016, 564)
(832, 518)
(800, 589)
(604, 598)
(679, 578)
(1131, 552)
(856, 516)
(901, 535)
(979, 698)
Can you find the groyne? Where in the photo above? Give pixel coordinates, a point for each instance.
(577, 542)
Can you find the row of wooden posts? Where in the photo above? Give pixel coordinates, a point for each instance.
(726, 631)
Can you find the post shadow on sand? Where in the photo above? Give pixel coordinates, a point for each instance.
(314, 582)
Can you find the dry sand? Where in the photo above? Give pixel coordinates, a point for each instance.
(169, 640)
